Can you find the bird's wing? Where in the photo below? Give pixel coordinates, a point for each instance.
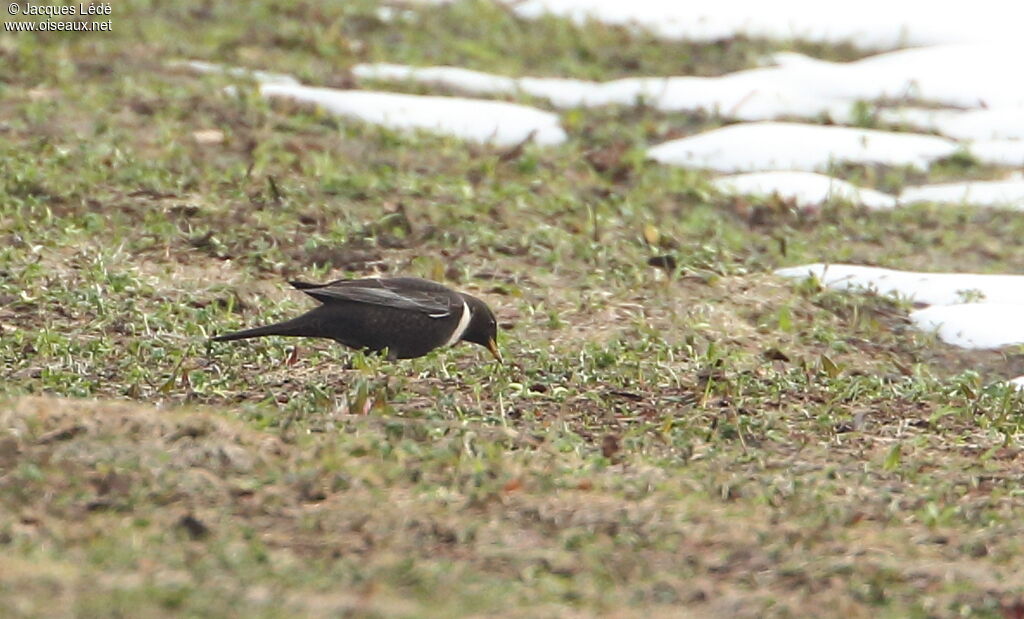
(436, 302)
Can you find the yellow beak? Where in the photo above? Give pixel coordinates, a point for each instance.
(493, 347)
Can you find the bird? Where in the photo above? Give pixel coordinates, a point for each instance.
(405, 316)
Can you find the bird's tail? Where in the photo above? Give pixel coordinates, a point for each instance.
(297, 327)
(300, 285)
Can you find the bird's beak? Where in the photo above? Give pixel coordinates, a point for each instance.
(493, 347)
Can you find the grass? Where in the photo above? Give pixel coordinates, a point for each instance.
(709, 437)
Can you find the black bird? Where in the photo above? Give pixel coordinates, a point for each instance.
(406, 316)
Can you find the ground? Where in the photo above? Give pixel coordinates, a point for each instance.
(706, 436)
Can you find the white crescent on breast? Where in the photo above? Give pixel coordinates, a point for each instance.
(461, 327)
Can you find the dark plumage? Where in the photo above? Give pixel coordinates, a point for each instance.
(407, 316)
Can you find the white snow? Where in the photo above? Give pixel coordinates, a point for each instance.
(794, 146)
(264, 77)
(976, 75)
(757, 94)
(926, 288)
(454, 77)
(388, 14)
(973, 325)
(798, 86)
(807, 189)
(1005, 193)
(495, 122)
(973, 75)
(999, 152)
(869, 23)
(985, 124)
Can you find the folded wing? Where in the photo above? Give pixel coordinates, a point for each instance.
(408, 294)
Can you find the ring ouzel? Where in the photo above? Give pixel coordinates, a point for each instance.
(406, 316)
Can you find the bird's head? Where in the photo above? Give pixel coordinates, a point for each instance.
(483, 328)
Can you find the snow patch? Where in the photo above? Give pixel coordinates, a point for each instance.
(908, 22)
(985, 124)
(794, 146)
(926, 288)
(973, 325)
(263, 77)
(495, 122)
(1005, 194)
(455, 77)
(757, 94)
(486, 122)
(999, 152)
(807, 189)
(797, 86)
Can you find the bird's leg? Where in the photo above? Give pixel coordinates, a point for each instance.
(372, 383)
(385, 391)
(381, 387)
(293, 356)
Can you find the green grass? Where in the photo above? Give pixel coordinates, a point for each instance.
(712, 437)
